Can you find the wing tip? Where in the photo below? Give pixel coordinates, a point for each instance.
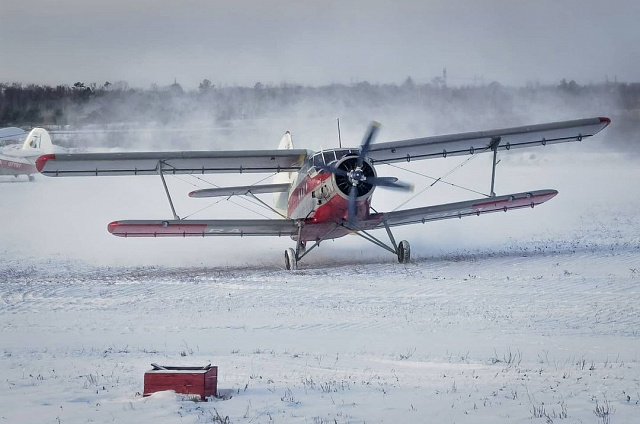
(606, 121)
(42, 161)
(112, 226)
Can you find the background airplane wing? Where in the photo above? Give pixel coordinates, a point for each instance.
(11, 133)
(482, 141)
(460, 209)
(148, 163)
(203, 228)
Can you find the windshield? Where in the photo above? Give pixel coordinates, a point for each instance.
(328, 156)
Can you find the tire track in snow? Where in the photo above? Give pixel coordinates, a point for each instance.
(536, 290)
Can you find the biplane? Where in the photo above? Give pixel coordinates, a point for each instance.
(16, 159)
(321, 195)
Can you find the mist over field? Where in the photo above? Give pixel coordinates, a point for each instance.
(525, 316)
(72, 214)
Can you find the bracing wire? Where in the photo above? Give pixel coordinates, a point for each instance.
(439, 180)
(436, 180)
(253, 202)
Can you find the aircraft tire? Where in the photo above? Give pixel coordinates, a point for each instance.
(290, 261)
(404, 252)
(31, 178)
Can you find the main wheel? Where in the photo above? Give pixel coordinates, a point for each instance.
(404, 252)
(31, 178)
(290, 261)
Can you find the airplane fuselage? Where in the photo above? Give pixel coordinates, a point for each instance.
(18, 159)
(14, 164)
(320, 197)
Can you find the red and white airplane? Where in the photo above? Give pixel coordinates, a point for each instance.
(323, 195)
(16, 159)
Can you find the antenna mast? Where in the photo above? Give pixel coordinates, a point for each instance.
(339, 138)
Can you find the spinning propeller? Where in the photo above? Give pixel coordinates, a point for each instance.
(357, 175)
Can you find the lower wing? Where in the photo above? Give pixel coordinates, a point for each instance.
(459, 209)
(203, 228)
(309, 231)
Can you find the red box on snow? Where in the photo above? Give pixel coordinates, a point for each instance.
(201, 381)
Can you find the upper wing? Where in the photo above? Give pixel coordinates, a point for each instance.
(460, 209)
(148, 163)
(483, 141)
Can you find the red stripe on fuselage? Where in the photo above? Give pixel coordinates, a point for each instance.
(333, 209)
(336, 209)
(16, 168)
(304, 189)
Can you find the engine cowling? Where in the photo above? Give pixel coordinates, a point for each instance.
(343, 183)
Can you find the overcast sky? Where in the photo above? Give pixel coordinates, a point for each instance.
(318, 42)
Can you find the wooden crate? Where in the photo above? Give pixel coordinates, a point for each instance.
(202, 381)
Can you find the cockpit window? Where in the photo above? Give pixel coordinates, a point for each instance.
(329, 156)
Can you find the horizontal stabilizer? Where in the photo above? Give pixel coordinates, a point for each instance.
(240, 191)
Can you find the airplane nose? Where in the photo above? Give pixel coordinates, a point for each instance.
(357, 175)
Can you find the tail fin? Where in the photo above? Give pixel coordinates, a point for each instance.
(38, 139)
(281, 200)
(286, 142)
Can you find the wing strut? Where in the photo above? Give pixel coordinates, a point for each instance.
(386, 226)
(495, 142)
(365, 235)
(375, 241)
(166, 189)
(249, 193)
(302, 251)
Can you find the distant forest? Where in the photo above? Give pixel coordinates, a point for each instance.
(79, 104)
(443, 108)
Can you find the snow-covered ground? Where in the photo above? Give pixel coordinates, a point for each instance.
(529, 316)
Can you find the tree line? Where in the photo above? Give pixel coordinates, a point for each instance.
(82, 104)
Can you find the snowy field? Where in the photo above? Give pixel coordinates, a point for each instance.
(532, 316)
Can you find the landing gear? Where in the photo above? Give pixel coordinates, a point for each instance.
(290, 261)
(404, 252)
(31, 178)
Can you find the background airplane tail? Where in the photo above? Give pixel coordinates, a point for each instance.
(38, 139)
(281, 200)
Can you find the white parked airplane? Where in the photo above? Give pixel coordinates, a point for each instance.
(16, 159)
(323, 195)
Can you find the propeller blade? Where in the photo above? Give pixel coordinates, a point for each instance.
(333, 170)
(390, 182)
(351, 216)
(372, 131)
(382, 181)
